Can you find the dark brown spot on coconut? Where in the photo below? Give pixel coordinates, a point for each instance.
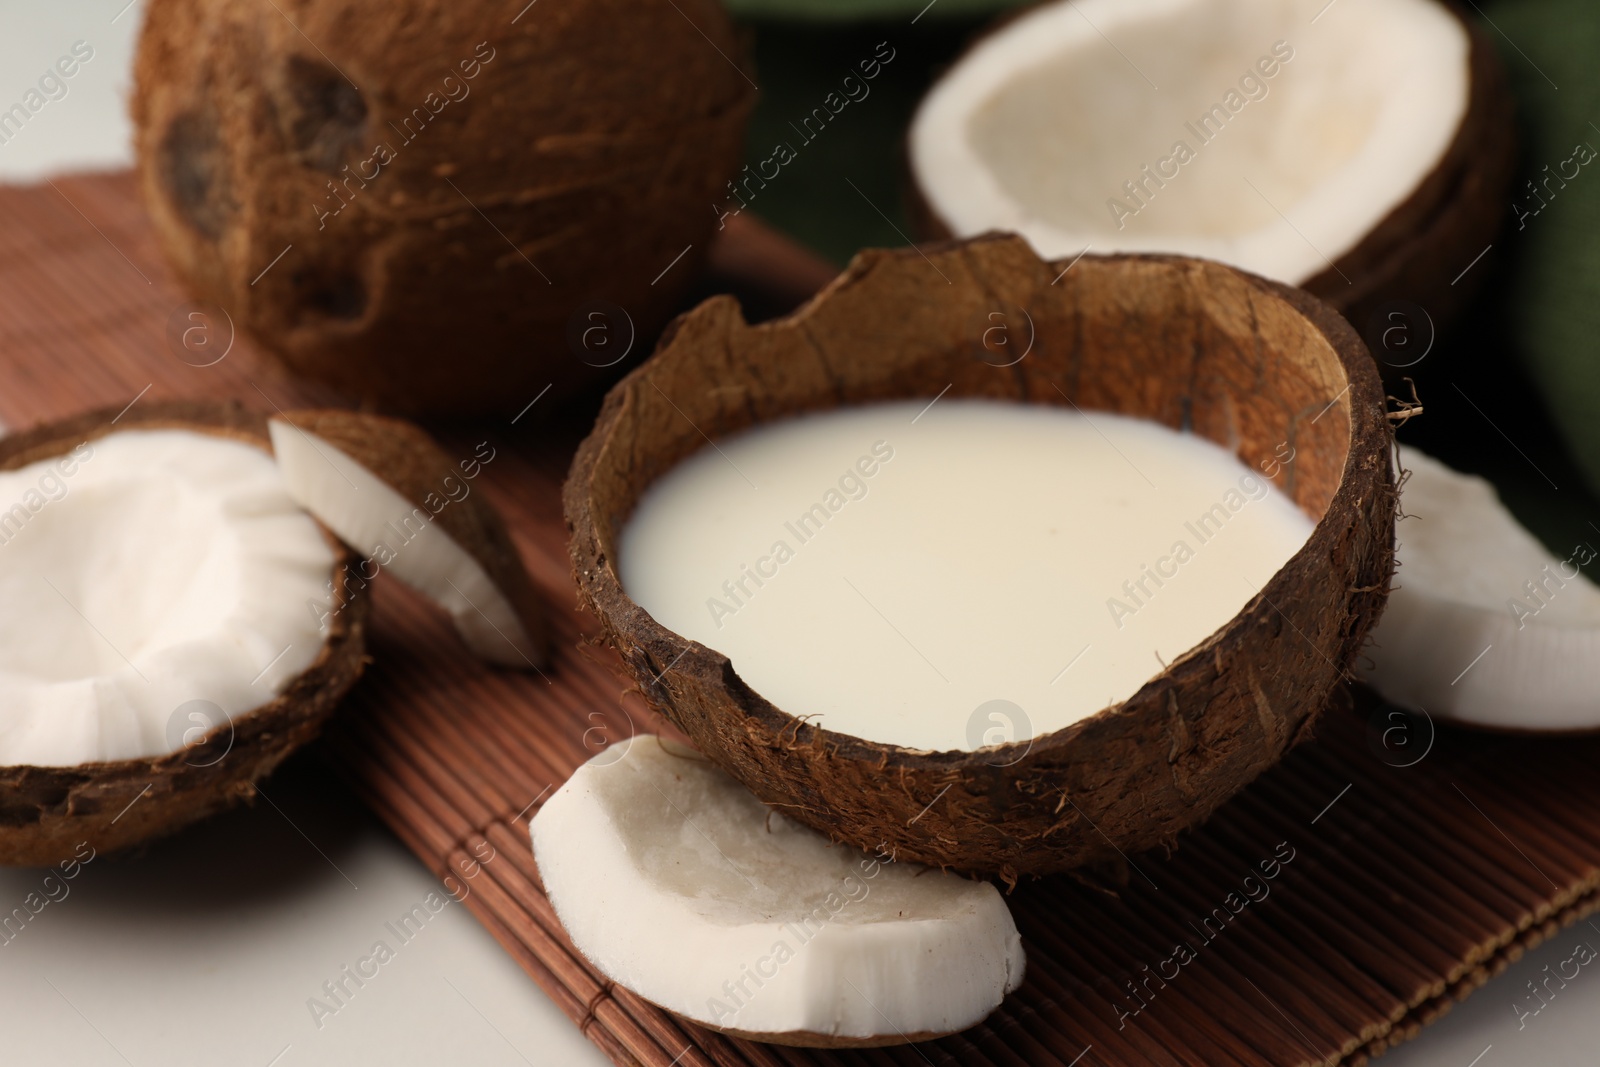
(327, 116)
(25, 792)
(331, 294)
(195, 174)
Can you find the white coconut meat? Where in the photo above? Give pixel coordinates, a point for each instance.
(677, 883)
(144, 571)
(1485, 624)
(398, 535)
(1237, 130)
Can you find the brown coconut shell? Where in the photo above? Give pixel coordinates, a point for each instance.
(405, 457)
(1416, 253)
(1187, 343)
(47, 812)
(582, 156)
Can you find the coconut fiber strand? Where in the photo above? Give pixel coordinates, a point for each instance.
(1330, 910)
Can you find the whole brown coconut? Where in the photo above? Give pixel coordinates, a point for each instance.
(428, 205)
(46, 812)
(1192, 344)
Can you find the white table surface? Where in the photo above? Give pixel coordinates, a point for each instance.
(206, 949)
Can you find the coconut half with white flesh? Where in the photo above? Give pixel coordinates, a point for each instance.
(1485, 625)
(390, 491)
(177, 625)
(678, 884)
(1362, 152)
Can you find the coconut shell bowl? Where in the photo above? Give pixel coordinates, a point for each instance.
(1247, 363)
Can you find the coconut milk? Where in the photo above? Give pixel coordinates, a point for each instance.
(959, 575)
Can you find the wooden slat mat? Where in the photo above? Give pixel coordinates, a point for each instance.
(1395, 889)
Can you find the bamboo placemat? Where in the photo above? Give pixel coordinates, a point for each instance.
(1406, 868)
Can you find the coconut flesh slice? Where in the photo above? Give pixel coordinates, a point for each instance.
(390, 491)
(1485, 625)
(1271, 144)
(159, 656)
(677, 883)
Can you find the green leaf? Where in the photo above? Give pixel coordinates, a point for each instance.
(843, 188)
(1552, 224)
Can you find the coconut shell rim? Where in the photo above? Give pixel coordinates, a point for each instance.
(1484, 144)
